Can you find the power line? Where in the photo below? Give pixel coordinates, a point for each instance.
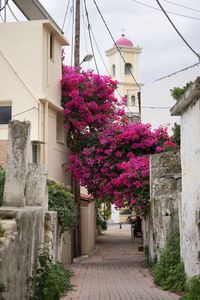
(115, 43)
(169, 12)
(156, 107)
(100, 53)
(178, 30)
(84, 23)
(90, 38)
(12, 13)
(66, 11)
(69, 21)
(34, 107)
(180, 5)
(1, 8)
(1, 17)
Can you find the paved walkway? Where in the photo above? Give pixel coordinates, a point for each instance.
(115, 270)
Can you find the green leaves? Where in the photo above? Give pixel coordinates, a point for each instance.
(62, 201)
(178, 92)
(169, 270)
(50, 281)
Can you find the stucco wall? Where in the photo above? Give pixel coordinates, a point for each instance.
(88, 226)
(165, 189)
(190, 207)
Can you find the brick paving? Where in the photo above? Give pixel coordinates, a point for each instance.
(115, 270)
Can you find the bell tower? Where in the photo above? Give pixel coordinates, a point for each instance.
(121, 72)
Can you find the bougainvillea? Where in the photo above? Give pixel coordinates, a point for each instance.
(116, 167)
(109, 156)
(88, 99)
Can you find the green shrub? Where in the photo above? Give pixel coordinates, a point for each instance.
(178, 92)
(2, 182)
(62, 201)
(169, 270)
(192, 289)
(50, 281)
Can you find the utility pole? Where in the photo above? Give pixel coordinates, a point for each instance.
(77, 34)
(76, 184)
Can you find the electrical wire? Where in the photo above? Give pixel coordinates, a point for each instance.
(100, 53)
(103, 61)
(12, 13)
(115, 43)
(155, 107)
(4, 6)
(180, 5)
(34, 107)
(84, 29)
(1, 17)
(90, 37)
(188, 45)
(66, 11)
(169, 12)
(69, 21)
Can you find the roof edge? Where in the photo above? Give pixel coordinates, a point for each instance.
(190, 97)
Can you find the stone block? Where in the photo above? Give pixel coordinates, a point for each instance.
(16, 165)
(36, 182)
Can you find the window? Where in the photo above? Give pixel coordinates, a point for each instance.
(51, 46)
(113, 70)
(59, 128)
(5, 114)
(35, 153)
(127, 69)
(132, 100)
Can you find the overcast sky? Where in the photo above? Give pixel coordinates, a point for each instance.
(163, 50)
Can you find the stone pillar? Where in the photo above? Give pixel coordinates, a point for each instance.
(17, 161)
(36, 186)
(51, 234)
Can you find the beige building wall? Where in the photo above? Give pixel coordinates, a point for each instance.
(30, 74)
(88, 226)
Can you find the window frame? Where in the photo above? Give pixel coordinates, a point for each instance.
(128, 68)
(8, 118)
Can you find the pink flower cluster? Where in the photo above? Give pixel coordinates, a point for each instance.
(88, 99)
(109, 156)
(116, 167)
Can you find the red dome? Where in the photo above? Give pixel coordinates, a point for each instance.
(123, 41)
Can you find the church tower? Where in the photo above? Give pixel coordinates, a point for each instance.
(120, 71)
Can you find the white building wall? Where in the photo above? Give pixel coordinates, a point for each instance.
(190, 204)
(157, 94)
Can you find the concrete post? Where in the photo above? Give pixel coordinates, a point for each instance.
(36, 182)
(17, 161)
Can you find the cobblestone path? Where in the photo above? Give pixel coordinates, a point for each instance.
(115, 270)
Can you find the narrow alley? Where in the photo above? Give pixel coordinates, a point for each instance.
(115, 270)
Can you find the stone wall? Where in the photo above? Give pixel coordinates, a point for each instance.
(19, 248)
(22, 215)
(165, 189)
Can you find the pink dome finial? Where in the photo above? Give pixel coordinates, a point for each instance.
(123, 41)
